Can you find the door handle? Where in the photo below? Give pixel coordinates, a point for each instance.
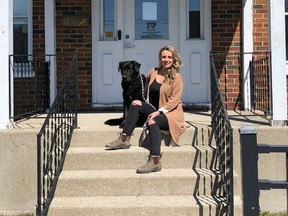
(119, 34)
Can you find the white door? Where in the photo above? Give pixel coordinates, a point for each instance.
(107, 48)
(136, 30)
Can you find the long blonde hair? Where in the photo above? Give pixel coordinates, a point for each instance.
(177, 64)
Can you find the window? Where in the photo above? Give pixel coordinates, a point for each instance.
(22, 38)
(109, 23)
(151, 20)
(22, 27)
(194, 20)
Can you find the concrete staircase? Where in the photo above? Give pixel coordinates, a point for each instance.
(95, 181)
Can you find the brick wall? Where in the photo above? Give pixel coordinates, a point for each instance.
(38, 27)
(72, 35)
(260, 24)
(74, 32)
(226, 38)
(30, 88)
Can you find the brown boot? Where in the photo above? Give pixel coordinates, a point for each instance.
(123, 142)
(153, 165)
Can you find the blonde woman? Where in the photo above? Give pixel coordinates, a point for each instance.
(163, 108)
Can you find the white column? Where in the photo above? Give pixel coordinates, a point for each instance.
(278, 61)
(247, 48)
(6, 48)
(50, 44)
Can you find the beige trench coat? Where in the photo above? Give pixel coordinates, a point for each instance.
(170, 103)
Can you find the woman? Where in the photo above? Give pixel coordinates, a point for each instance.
(163, 108)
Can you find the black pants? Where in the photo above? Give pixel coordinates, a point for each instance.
(161, 123)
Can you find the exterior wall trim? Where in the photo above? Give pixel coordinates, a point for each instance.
(6, 48)
(278, 62)
(50, 43)
(247, 48)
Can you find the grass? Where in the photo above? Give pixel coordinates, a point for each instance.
(20, 214)
(273, 214)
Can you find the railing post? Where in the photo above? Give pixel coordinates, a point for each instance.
(249, 159)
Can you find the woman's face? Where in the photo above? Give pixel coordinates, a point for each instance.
(166, 59)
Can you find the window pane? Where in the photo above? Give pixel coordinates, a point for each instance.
(20, 31)
(286, 6)
(20, 7)
(194, 19)
(109, 20)
(151, 20)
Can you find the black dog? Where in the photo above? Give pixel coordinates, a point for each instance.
(133, 85)
(134, 88)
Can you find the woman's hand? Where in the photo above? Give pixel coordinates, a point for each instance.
(153, 115)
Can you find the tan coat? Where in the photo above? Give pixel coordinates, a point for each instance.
(170, 103)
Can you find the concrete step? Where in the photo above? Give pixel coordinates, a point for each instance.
(92, 158)
(193, 135)
(182, 205)
(95, 181)
(128, 183)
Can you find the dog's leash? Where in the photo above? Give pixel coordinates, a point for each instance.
(142, 87)
(143, 91)
(144, 133)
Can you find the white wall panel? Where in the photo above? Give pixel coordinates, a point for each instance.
(107, 71)
(195, 68)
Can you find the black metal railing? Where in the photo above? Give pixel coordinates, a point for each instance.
(54, 138)
(251, 184)
(260, 79)
(223, 134)
(29, 88)
(30, 80)
(230, 69)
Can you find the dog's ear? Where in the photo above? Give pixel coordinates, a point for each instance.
(120, 66)
(137, 66)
